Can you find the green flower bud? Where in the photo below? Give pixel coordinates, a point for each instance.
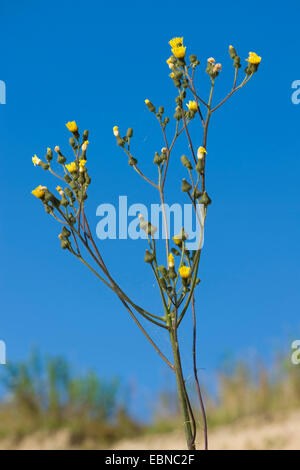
(85, 135)
(68, 192)
(149, 257)
(49, 155)
(129, 132)
(172, 273)
(193, 58)
(64, 201)
(72, 219)
(73, 185)
(186, 162)
(44, 165)
(158, 159)
(178, 114)
(200, 165)
(163, 271)
(72, 142)
(237, 62)
(68, 178)
(232, 52)
(61, 159)
(65, 232)
(64, 243)
(150, 106)
(185, 187)
(205, 199)
(161, 110)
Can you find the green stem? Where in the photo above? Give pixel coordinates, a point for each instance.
(182, 393)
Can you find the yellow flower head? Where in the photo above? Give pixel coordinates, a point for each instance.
(171, 261)
(201, 152)
(60, 190)
(82, 164)
(72, 126)
(116, 131)
(172, 75)
(192, 105)
(71, 167)
(35, 160)
(177, 240)
(177, 47)
(184, 272)
(170, 63)
(147, 101)
(39, 191)
(253, 58)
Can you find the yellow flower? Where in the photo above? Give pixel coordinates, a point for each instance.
(116, 131)
(192, 105)
(171, 261)
(253, 58)
(57, 149)
(177, 240)
(172, 75)
(82, 165)
(184, 272)
(147, 101)
(39, 191)
(201, 152)
(36, 160)
(177, 47)
(60, 190)
(170, 63)
(72, 167)
(72, 126)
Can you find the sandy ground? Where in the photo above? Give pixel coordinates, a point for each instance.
(280, 433)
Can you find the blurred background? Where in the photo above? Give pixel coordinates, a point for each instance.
(78, 360)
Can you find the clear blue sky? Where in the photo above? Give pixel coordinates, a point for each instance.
(96, 63)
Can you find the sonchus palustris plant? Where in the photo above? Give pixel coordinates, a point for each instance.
(177, 277)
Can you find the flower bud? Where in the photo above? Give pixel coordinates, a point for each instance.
(232, 52)
(186, 162)
(85, 135)
(149, 257)
(205, 199)
(129, 132)
(150, 106)
(72, 142)
(185, 187)
(49, 154)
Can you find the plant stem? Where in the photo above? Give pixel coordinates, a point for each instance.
(182, 393)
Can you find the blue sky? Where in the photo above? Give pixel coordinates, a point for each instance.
(96, 63)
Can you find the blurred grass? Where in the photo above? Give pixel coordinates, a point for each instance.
(43, 394)
(243, 391)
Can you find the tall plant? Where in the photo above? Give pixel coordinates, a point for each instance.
(176, 278)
